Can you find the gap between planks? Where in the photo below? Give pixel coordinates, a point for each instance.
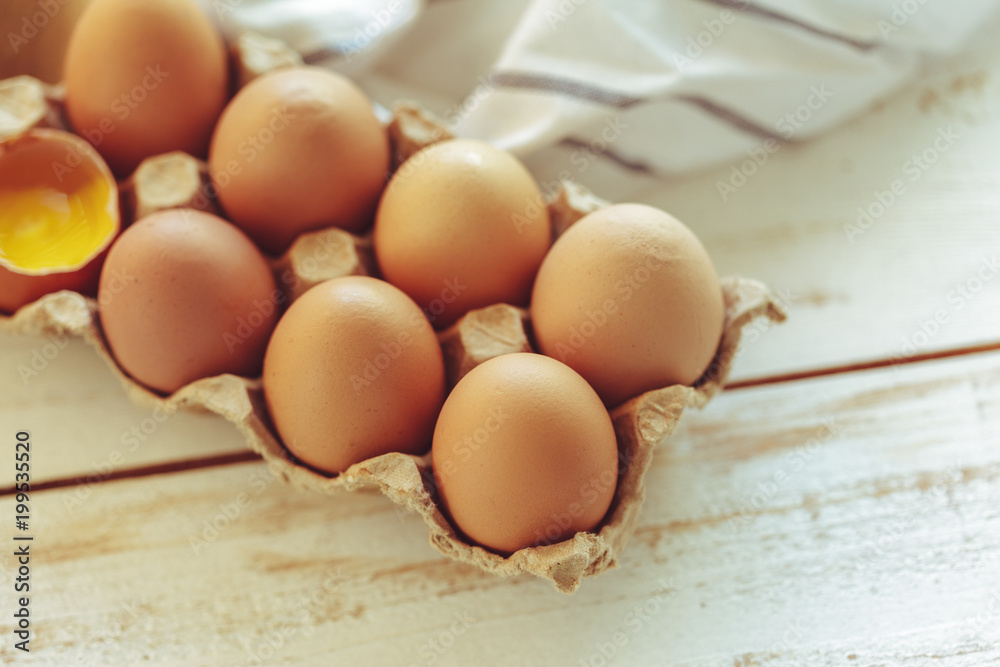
(863, 366)
(244, 457)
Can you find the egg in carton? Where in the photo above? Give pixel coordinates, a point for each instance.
(177, 180)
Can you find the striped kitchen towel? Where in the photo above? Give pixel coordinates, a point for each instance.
(668, 86)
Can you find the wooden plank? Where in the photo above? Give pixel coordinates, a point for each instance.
(64, 394)
(881, 540)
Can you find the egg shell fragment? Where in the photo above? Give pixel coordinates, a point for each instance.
(60, 210)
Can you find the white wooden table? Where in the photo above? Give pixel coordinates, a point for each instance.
(840, 505)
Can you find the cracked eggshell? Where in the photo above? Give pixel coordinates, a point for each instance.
(57, 221)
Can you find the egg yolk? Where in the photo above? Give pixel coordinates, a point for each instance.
(53, 207)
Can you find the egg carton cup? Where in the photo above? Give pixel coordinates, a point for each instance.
(177, 180)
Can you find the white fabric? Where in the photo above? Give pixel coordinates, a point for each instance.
(668, 85)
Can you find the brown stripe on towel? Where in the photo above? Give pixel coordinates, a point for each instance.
(730, 116)
(765, 13)
(327, 52)
(631, 165)
(564, 87)
(619, 100)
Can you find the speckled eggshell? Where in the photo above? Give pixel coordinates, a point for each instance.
(299, 149)
(462, 225)
(145, 77)
(185, 295)
(353, 371)
(628, 297)
(524, 453)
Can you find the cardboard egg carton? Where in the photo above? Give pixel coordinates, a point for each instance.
(177, 180)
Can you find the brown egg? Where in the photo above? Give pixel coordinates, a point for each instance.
(59, 206)
(353, 371)
(144, 78)
(462, 225)
(185, 295)
(297, 150)
(524, 453)
(628, 298)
